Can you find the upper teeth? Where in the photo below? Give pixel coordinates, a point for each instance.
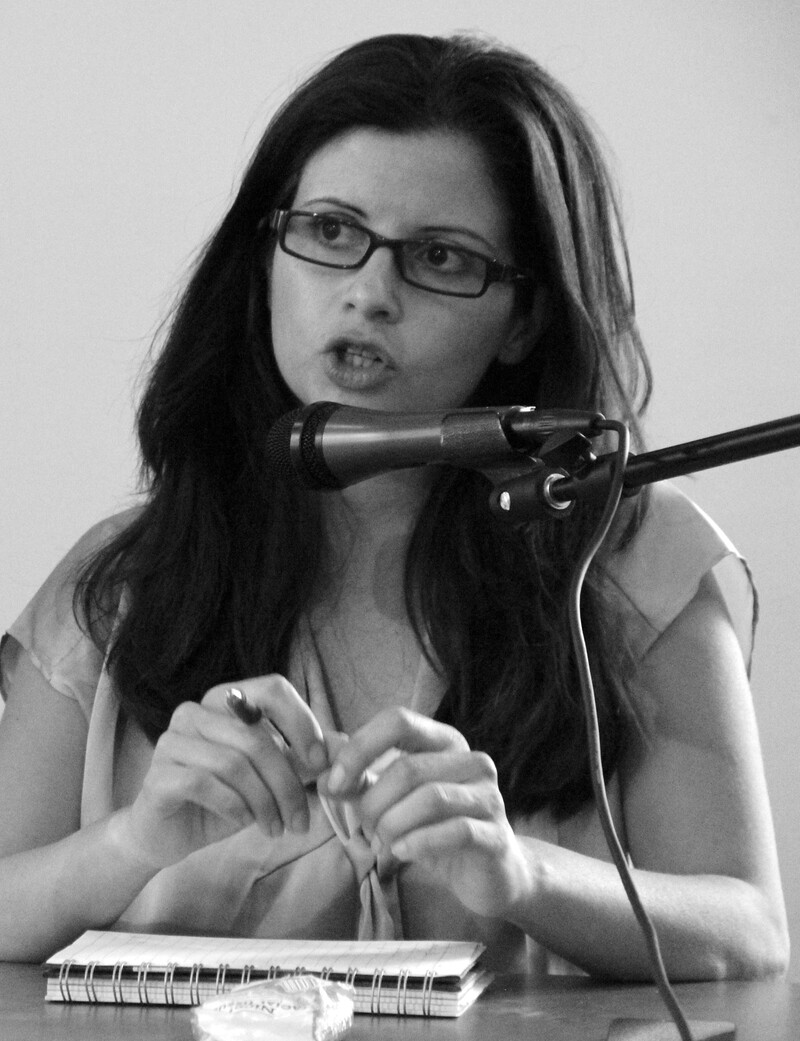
(360, 356)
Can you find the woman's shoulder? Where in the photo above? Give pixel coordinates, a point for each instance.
(657, 574)
(59, 586)
(97, 536)
(47, 628)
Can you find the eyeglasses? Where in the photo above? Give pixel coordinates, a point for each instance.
(439, 267)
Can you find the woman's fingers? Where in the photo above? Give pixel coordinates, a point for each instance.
(282, 708)
(393, 729)
(446, 838)
(417, 790)
(403, 772)
(215, 755)
(267, 762)
(183, 778)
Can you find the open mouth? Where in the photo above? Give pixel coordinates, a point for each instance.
(357, 355)
(358, 365)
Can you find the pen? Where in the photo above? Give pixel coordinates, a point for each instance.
(240, 707)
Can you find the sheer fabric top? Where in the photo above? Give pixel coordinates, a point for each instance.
(327, 883)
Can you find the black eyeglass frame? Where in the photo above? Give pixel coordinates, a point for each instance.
(496, 270)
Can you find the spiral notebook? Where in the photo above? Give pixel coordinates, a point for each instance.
(394, 977)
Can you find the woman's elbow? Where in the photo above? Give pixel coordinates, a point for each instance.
(770, 959)
(764, 947)
(746, 938)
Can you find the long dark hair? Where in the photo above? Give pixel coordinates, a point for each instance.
(219, 563)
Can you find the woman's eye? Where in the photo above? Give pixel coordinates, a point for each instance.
(332, 232)
(442, 257)
(328, 228)
(438, 256)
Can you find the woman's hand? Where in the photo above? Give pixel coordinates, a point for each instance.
(436, 804)
(212, 775)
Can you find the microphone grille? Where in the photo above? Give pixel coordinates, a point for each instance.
(279, 459)
(314, 471)
(308, 466)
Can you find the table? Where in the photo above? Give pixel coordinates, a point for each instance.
(513, 1008)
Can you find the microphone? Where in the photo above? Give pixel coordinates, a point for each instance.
(327, 445)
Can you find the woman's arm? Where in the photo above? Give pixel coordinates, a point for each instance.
(210, 776)
(54, 879)
(697, 821)
(696, 816)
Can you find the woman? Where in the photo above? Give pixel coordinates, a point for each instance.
(427, 224)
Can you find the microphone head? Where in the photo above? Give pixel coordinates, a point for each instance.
(291, 446)
(278, 440)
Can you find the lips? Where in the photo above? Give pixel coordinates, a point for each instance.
(358, 365)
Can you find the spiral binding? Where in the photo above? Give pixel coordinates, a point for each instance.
(427, 992)
(88, 979)
(63, 980)
(375, 991)
(402, 987)
(151, 984)
(194, 983)
(222, 972)
(116, 982)
(142, 973)
(169, 983)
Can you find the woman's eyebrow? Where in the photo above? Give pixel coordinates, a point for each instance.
(332, 200)
(457, 229)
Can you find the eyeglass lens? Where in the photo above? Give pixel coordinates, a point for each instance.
(328, 240)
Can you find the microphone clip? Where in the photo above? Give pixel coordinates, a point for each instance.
(530, 495)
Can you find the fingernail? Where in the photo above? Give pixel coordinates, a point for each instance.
(336, 778)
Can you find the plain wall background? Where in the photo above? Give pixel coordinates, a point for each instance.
(125, 127)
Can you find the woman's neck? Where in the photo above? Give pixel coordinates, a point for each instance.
(388, 502)
(364, 637)
(368, 527)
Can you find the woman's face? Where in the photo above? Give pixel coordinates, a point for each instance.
(365, 337)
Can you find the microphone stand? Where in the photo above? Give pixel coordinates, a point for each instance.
(563, 471)
(552, 489)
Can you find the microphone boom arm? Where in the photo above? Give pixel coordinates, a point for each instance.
(546, 490)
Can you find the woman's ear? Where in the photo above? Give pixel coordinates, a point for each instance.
(526, 330)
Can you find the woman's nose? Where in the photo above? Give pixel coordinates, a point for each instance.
(375, 289)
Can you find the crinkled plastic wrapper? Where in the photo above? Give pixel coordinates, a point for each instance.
(293, 1008)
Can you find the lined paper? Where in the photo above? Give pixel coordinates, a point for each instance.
(443, 958)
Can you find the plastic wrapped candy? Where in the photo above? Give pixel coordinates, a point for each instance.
(292, 1008)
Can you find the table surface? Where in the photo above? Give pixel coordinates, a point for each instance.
(558, 1009)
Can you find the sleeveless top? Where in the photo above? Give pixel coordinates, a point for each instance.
(327, 883)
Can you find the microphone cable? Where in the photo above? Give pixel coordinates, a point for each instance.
(619, 463)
